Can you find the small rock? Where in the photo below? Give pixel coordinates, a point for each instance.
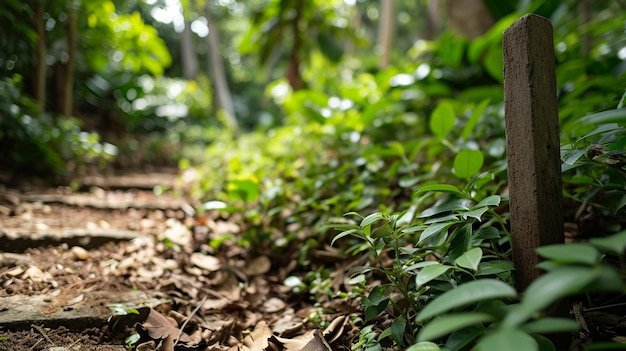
(80, 253)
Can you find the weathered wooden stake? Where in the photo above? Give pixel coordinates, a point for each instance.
(532, 133)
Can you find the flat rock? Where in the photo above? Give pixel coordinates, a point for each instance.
(17, 240)
(74, 311)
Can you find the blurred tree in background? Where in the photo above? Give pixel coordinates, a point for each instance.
(162, 79)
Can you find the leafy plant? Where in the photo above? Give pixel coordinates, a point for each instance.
(442, 251)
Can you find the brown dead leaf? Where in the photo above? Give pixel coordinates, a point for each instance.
(258, 266)
(210, 263)
(259, 338)
(335, 328)
(310, 341)
(273, 305)
(159, 326)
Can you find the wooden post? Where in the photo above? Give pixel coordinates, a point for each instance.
(532, 133)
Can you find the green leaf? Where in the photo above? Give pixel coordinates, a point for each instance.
(486, 233)
(507, 340)
(473, 120)
(433, 230)
(548, 288)
(570, 253)
(397, 331)
(493, 200)
(420, 265)
(615, 243)
(424, 346)
(445, 325)
(429, 273)
(442, 188)
(442, 119)
(610, 116)
(544, 343)
(470, 259)
(345, 233)
(371, 219)
(467, 163)
(476, 212)
(494, 267)
(465, 294)
(463, 337)
(550, 325)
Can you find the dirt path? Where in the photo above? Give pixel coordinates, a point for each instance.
(84, 270)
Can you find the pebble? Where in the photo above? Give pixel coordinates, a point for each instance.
(80, 253)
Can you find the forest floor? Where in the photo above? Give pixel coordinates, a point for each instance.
(86, 269)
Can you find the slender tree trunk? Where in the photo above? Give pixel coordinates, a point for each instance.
(470, 18)
(68, 67)
(40, 61)
(584, 14)
(293, 70)
(216, 66)
(385, 32)
(188, 54)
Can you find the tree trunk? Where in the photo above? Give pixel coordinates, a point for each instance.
(188, 54)
(216, 67)
(293, 69)
(470, 18)
(385, 32)
(68, 67)
(40, 61)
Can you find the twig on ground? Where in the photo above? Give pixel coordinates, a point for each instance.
(180, 330)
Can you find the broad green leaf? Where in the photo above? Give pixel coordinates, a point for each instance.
(343, 234)
(544, 343)
(494, 267)
(463, 337)
(507, 340)
(474, 213)
(493, 200)
(465, 294)
(424, 346)
(446, 324)
(243, 189)
(550, 325)
(473, 120)
(442, 188)
(429, 273)
(615, 243)
(548, 288)
(486, 233)
(467, 163)
(571, 156)
(420, 265)
(452, 205)
(609, 280)
(470, 259)
(442, 119)
(371, 219)
(610, 116)
(570, 253)
(397, 331)
(433, 230)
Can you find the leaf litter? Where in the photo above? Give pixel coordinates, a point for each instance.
(227, 298)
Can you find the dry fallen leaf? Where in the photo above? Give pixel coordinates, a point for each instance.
(258, 266)
(259, 338)
(210, 263)
(274, 305)
(310, 341)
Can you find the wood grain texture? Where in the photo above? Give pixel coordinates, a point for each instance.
(532, 129)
